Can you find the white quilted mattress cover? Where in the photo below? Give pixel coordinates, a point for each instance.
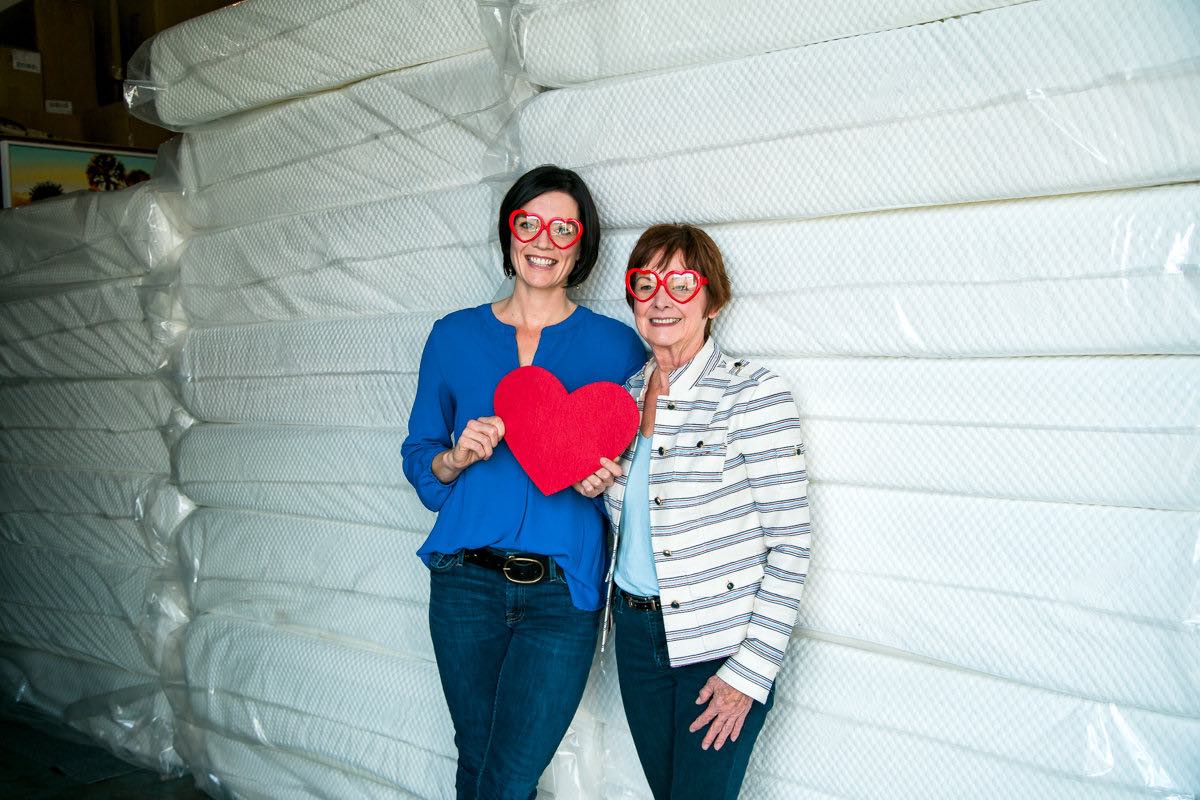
(565, 42)
(69, 603)
(67, 490)
(278, 470)
(291, 371)
(357, 582)
(104, 538)
(368, 711)
(86, 236)
(1048, 97)
(257, 52)
(1108, 272)
(972, 733)
(417, 130)
(934, 731)
(110, 405)
(370, 258)
(92, 332)
(1024, 590)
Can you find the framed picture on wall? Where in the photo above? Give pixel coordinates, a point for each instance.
(31, 170)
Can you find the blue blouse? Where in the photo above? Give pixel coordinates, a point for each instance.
(493, 503)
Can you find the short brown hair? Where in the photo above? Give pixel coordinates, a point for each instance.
(700, 253)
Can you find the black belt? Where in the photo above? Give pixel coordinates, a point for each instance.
(640, 603)
(525, 568)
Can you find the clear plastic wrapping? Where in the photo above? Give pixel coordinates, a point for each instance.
(85, 518)
(400, 134)
(1082, 96)
(567, 42)
(251, 54)
(86, 237)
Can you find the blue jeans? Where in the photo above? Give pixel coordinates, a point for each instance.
(660, 704)
(513, 660)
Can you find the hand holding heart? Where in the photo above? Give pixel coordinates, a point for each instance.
(595, 484)
(476, 443)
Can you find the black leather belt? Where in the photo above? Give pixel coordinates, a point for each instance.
(525, 568)
(640, 603)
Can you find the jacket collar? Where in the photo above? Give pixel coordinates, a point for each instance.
(683, 379)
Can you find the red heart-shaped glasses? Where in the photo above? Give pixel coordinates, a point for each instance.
(526, 227)
(681, 285)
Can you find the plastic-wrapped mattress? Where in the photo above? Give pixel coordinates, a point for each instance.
(564, 42)
(369, 712)
(1109, 272)
(127, 711)
(1049, 97)
(987, 737)
(983, 584)
(403, 133)
(92, 331)
(258, 52)
(85, 236)
(359, 372)
(357, 582)
(356, 260)
(351, 475)
(111, 405)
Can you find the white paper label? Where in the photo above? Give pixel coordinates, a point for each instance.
(58, 106)
(27, 61)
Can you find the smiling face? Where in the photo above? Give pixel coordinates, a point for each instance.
(667, 324)
(539, 264)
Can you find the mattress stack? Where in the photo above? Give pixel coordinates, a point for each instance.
(337, 209)
(86, 505)
(969, 245)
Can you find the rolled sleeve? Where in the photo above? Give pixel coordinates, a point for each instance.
(430, 429)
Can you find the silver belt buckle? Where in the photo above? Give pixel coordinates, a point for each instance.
(508, 561)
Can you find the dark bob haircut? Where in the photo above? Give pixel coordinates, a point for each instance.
(549, 178)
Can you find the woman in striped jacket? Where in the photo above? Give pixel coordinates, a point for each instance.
(709, 515)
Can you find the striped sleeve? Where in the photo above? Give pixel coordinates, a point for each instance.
(767, 435)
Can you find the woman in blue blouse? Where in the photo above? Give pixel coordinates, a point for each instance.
(516, 584)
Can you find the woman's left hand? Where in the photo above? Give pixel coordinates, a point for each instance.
(727, 710)
(595, 484)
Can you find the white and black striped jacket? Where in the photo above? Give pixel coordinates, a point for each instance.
(728, 516)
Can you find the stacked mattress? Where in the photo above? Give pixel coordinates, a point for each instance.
(970, 248)
(86, 506)
(328, 232)
(1041, 98)
(252, 54)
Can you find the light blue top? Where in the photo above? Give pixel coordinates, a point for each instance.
(493, 503)
(635, 555)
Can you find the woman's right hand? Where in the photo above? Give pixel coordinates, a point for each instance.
(477, 442)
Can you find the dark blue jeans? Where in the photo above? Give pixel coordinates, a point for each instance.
(660, 704)
(513, 660)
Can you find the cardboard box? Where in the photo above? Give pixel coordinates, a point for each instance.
(43, 125)
(62, 32)
(20, 81)
(112, 124)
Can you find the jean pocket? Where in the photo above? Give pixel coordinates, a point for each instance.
(441, 562)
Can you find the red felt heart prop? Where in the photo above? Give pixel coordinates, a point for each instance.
(558, 438)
